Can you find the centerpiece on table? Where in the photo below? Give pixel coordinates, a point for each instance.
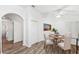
(55, 31)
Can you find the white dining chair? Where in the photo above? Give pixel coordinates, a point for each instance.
(73, 41)
(66, 45)
(47, 41)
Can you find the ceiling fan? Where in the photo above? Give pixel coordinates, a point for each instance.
(60, 12)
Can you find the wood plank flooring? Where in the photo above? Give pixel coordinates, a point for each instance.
(37, 48)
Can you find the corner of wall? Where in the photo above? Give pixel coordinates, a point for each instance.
(27, 45)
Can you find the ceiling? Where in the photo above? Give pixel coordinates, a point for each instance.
(55, 8)
(51, 8)
(58, 10)
(46, 10)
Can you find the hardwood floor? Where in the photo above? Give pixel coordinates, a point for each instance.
(8, 45)
(37, 48)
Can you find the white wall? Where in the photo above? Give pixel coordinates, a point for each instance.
(34, 23)
(73, 27)
(60, 26)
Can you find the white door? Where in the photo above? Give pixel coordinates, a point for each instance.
(18, 31)
(34, 32)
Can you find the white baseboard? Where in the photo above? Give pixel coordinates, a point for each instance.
(29, 45)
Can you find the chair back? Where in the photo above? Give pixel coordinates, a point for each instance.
(67, 41)
(46, 35)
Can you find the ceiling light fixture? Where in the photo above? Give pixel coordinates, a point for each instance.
(60, 12)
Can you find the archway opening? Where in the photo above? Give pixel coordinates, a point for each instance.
(12, 31)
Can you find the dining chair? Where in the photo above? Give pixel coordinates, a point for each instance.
(47, 41)
(66, 45)
(74, 43)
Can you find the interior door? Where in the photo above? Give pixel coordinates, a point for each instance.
(18, 31)
(34, 32)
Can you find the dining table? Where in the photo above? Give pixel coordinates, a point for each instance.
(56, 38)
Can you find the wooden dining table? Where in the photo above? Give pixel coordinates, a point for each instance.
(56, 38)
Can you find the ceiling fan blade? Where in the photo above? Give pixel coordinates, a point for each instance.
(62, 8)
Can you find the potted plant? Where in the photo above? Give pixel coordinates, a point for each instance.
(55, 30)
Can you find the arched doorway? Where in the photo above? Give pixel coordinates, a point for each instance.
(12, 31)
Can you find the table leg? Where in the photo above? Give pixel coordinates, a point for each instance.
(77, 46)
